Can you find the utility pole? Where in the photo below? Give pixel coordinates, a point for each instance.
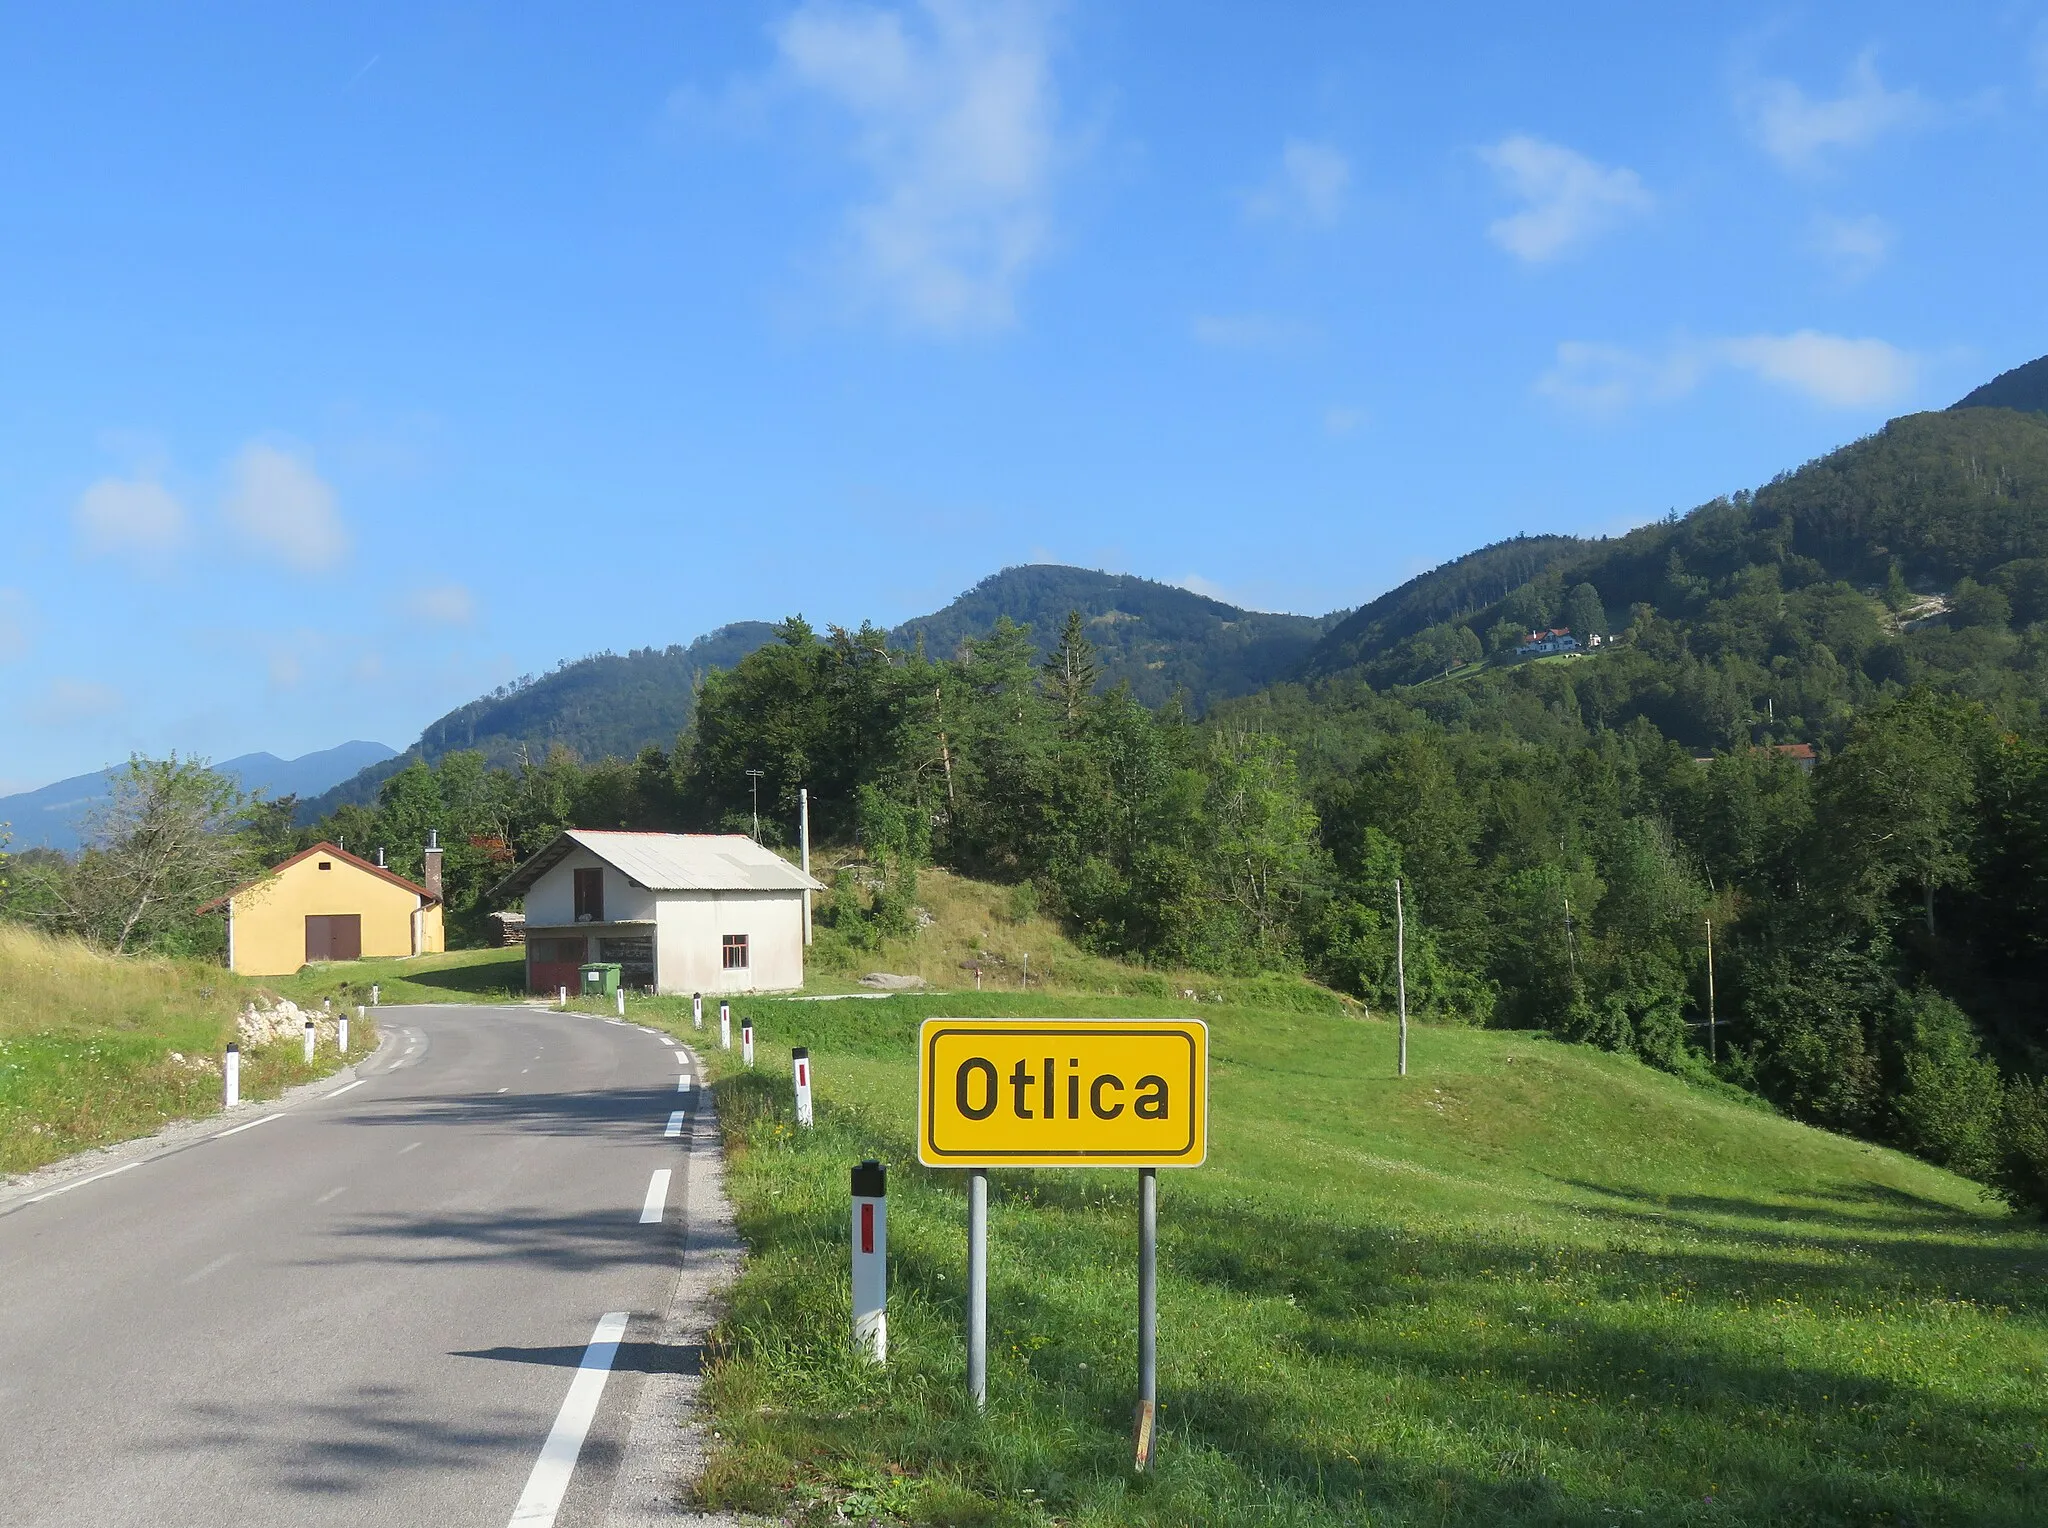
(754, 777)
(1401, 969)
(803, 803)
(1713, 1040)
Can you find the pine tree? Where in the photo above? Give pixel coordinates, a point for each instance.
(1070, 668)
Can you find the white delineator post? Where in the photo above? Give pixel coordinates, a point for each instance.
(341, 1032)
(231, 1076)
(871, 1261)
(725, 1026)
(373, 994)
(309, 1040)
(747, 1041)
(800, 1063)
(562, 997)
(697, 1010)
(622, 1002)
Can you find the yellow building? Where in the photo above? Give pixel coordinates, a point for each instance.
(325, 904)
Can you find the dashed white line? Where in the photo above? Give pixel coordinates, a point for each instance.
(250, 1126)
(211, 1268)
(65, 1188)
(331, 1194)
(415, 1146)
(675, 1125)
(341, 1090)
(504, 1090)
(657, 1198)
(683, 1083)
(549, 1482)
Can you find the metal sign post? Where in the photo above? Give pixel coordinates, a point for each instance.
(1065, 1093)
(977, 1287)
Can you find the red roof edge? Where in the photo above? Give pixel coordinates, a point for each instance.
(333, 851)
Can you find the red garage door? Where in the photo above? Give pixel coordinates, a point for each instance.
(552, 963)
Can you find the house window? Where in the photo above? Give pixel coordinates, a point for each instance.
(735, 952)
(590, 896)
(327, 864)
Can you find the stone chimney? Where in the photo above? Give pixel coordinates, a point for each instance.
(430, 873)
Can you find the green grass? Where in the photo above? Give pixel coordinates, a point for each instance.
(459, 976)
(1532, 1284)
(90, 1046)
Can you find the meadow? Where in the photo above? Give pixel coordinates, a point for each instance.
(96, 1049)
(1532, 1283)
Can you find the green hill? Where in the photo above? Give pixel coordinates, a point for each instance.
(1531, 1283)
(2024, 387)
(1160, 638)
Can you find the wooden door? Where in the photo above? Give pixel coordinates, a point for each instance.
(345, 936)
(334, 936)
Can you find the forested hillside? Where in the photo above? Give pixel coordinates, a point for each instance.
(606, 705)
(1160, 639)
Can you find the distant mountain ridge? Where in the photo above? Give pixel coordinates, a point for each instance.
(54, 816)
(1160, 638)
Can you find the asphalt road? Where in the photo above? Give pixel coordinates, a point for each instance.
(373, 1307)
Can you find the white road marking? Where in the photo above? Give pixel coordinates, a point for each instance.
(81, 1182)
(683, 1083)
(341, 1090)
(675, 1125)
(331, 1193)
(213, 1267)
(250, 1126)
(549, 1482)
(524, 1070)
(681, 1057)
(504, 1090)
(657, 1198)
(415, 1146)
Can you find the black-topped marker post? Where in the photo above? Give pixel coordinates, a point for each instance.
(871, 1261)
(800, 1064)
(696, 1010)
(747, 1041)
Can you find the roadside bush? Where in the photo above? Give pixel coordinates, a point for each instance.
(2022, 1173)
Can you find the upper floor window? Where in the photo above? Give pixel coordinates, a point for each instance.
(590, 896)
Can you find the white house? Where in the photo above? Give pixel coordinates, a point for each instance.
(681, 912)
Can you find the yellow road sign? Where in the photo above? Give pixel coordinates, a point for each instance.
(1063, 1093)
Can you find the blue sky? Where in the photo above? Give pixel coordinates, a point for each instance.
(359, 360)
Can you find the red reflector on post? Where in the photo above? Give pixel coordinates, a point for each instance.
(867, 1228)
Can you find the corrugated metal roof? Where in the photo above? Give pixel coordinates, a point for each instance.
(671, 862)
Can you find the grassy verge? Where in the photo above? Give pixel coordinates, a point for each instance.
(1532, 1284)
(459, 976)
(95, 1049)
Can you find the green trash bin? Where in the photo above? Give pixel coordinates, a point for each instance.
(601, 978)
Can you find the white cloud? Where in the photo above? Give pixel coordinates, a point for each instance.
(955, 117)
(129, 517)
(1799, 131)
(440, 605)
(1854, 246)
(1249, 331)
(1208, 588)
(16, 613)
(1308, 187)
(1605, 379)
(1823, 368)
(283, 507)
(1571, 199)
(1341, 419)
(68, 702)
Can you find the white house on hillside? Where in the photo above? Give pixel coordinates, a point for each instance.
(681, 912)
